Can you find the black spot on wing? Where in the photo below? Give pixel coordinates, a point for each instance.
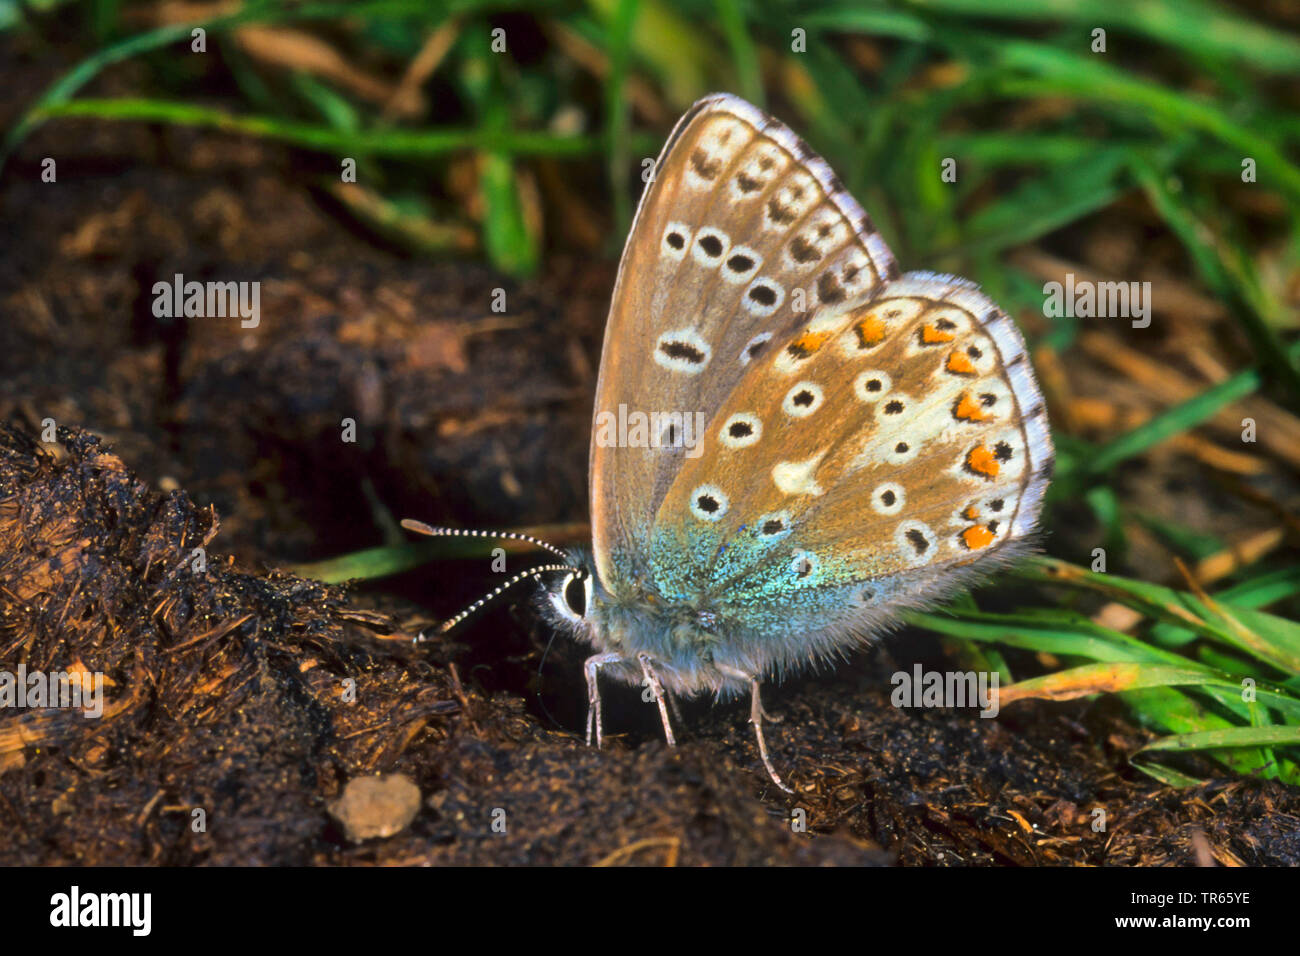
(829, 290)
(704, 167)
(780, 213)
(711, 245)
(682, 350)
(801, 250)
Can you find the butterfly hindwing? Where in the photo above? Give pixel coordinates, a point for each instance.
(742, 236)
(878, 444)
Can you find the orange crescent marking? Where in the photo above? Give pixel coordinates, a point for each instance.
(871, 331)
(959, 364)
(933, 336)
(969, 410)
(977, 536)
(808, 343)
(983, 462)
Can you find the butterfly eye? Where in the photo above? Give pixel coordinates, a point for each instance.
(575, 595)
(572, 599)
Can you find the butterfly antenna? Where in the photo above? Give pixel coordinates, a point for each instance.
(530, 574)
(420, 527)
(537, 572)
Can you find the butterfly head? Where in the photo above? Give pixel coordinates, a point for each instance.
(569, 600)
(679, 636)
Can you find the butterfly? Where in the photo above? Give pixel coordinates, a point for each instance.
(793, 441)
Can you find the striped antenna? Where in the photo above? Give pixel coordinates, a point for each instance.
(532, 573)
(410, 524)
(537, 572)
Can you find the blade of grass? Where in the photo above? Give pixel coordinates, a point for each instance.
(65, 86)
(1045, 71)
(1067, 634)
(1045, 204)
(1173, 779)
(333, 108)
(390, 142)
(1229, 281)
(510, 243)
(673, 46)
(1113, 677)
(1227, 737)
(1278, 645)
(744, 56)
(1180, 418)
(1203, 28)
(619, 45)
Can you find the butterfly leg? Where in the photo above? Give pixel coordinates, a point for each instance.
(592, 667)
(756, 715)
(658, 690)
(673, 709)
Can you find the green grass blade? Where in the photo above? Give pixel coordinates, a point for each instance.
(744, 56)
(619, 45)
(1200, 28)
(1228, 737)
(63, 88)
(389, 142)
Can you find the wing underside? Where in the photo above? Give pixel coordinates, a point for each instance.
(743, 236)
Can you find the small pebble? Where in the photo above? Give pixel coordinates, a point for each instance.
(375, 807)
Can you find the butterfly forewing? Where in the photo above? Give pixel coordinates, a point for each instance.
(881, 442)
(742, 236)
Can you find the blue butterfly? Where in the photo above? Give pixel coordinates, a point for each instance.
(792, 441)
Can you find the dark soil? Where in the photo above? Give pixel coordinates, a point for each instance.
(229, 683)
